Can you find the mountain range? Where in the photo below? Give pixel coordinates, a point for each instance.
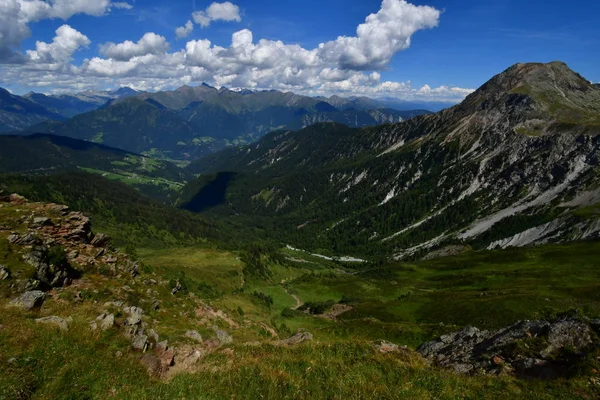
(516, 163)
(191, 121)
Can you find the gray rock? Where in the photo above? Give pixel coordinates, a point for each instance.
(140, 342)
(384, 346)
(100, 240)
(194, 335)
(135, 315)
(54, 320)
(42, 221)
(471, 350)
(30, 300)
(224, 337)
(4, 273)
(153, 335)
(296, 339)
(105, 321)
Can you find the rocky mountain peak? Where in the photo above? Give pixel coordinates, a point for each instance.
(551, 91)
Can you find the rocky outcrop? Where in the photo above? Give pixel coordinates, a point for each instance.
(4, 273)
(528, 348)
(30, 300)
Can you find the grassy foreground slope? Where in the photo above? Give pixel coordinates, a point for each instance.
(340, 363)
(244, 302)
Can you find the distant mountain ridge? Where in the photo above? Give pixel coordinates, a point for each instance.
(190, 122)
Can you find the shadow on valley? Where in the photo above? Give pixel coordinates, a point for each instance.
(211, 192)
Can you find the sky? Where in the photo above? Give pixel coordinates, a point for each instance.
(426, 50)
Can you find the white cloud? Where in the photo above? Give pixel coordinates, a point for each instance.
(226, 11)
(122, 5)
(150, 43)
(346, 65)
(184, 31)
(66, 42)
(15, 16)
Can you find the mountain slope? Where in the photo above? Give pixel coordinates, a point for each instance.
(133, 125)
(43, 154)
(17, 112)
(514, 164)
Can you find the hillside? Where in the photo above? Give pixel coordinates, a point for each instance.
(83, 319)
(18, 113)
(43, 154)
(514, 164)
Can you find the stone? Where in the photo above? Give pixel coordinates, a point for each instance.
(224, 337)
(100, 240)
(42, 221)
(4, 273)
(30, 300)
(573, 334)
(152, 363)
(54, 320)
(384, 346)
(194, 335)
(106, 322)
(17, 199)
(296, 339)
(140, 342)
(473, 351)
(163, 346)
(135, 315)
(167, 358)
(153, 335)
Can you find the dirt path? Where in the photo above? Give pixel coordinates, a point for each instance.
(299, 303)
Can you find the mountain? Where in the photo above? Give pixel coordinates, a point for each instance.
(134, 125)
(515, 163)
(70, 105)
(18, 113)
(194, 121)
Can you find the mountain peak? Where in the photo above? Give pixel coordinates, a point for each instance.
(549, 86)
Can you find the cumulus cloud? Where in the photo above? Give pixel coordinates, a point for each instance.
(184, 31)
(226, 11)
(66, 42)
(150, 43)
(348, 65)
(15, 16)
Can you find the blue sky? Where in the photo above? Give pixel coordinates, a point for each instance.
(455, 46)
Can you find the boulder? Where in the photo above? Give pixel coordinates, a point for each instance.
(194, 335)
(224, 337)
(54, 320)
(135, 315)
(30, 300)
(140, 342)
(105, 321)
(296, 339)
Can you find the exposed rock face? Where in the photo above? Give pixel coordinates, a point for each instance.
(29, 300)
(59, 244)
(532, 348)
